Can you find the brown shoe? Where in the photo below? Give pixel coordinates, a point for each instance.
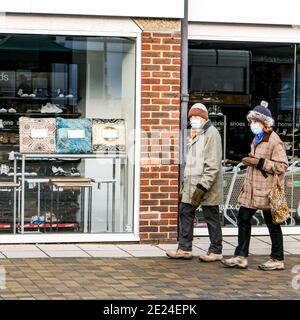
(211, 257)
(179, 254)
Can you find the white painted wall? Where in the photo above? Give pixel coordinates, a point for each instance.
(117, 8)
(230, 32)
(241, 11)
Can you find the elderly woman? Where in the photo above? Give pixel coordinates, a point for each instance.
(267, 157)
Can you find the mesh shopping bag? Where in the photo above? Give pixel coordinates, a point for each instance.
(278, 204)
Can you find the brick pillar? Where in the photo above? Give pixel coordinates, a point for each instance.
(160, 120)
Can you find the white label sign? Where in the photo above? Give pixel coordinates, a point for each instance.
(39, 133)
(110, 133)
(76, 134)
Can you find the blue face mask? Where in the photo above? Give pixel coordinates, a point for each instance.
(255, 128)
(195, 123)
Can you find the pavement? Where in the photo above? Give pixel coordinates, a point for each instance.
(142, 271)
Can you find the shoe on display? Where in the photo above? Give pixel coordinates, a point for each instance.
(58, 171)
(219, 112)
(32, 95)
(3, 110)
(272, 264)
(49, 215)
(12, 110)
(61, 171)
(179, 254)
(25, 95)
(211, 257)
(69, 96)
(235, 262)
(20, 92)
(74, 172)
(50, 108)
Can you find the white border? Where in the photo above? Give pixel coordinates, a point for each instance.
(93, 237)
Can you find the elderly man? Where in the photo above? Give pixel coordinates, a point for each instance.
(202, 185)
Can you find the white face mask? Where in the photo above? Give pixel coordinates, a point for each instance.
(195, 123)
(256, 128)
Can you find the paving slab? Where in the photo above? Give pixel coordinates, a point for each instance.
(109, 254)
(25, 254)
(94, 247)
(66, 253)
(147, 253)
(138, 247)
(59, 247)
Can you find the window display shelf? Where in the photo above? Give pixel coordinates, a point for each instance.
(40, 115)
(41, 98)
(41, 226)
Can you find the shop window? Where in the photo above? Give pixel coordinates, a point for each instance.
(231, 78)
(69, 77)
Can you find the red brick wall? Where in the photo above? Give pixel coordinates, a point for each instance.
(160, 120)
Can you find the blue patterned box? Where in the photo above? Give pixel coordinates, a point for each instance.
(73, 135)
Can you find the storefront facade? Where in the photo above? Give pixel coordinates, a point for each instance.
(117, 71)
(98, 71)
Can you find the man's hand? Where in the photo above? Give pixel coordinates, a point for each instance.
(250, 161)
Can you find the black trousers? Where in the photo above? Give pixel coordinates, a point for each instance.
(244, 224)
(186, 227)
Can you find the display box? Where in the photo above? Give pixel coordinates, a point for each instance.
(37, 135)
(109, 135)
(73, 135)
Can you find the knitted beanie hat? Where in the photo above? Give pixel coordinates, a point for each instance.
(261, 113)
(198, 110)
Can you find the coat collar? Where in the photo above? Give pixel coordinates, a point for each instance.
(265, 138)
(201, 131)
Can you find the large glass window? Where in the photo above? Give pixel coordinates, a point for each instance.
(89, 82)
(231, 78)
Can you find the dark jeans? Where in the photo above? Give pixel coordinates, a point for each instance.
(244, 224)
(186, 227)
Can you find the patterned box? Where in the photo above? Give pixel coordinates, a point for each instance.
(109, 135)
(37, 135)
(73, 135)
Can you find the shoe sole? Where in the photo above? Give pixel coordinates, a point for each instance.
(233, 266)
(203, 260)
(183, 258)
(271, 269)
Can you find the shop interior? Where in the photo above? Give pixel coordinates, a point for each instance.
(231, 78)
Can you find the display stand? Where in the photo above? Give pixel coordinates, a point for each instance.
(119, 160)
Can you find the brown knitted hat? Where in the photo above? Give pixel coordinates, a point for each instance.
(198, 110)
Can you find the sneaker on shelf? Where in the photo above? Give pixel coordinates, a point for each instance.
(34, 220)
(58, 171)
(25, 95)
(69, 95)
(4, 169)
(3, 110)
(75, 172)
(49, 215)
(12, 110)
(219, 112)
(61, 171)
(32, 95)
(50, 108)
